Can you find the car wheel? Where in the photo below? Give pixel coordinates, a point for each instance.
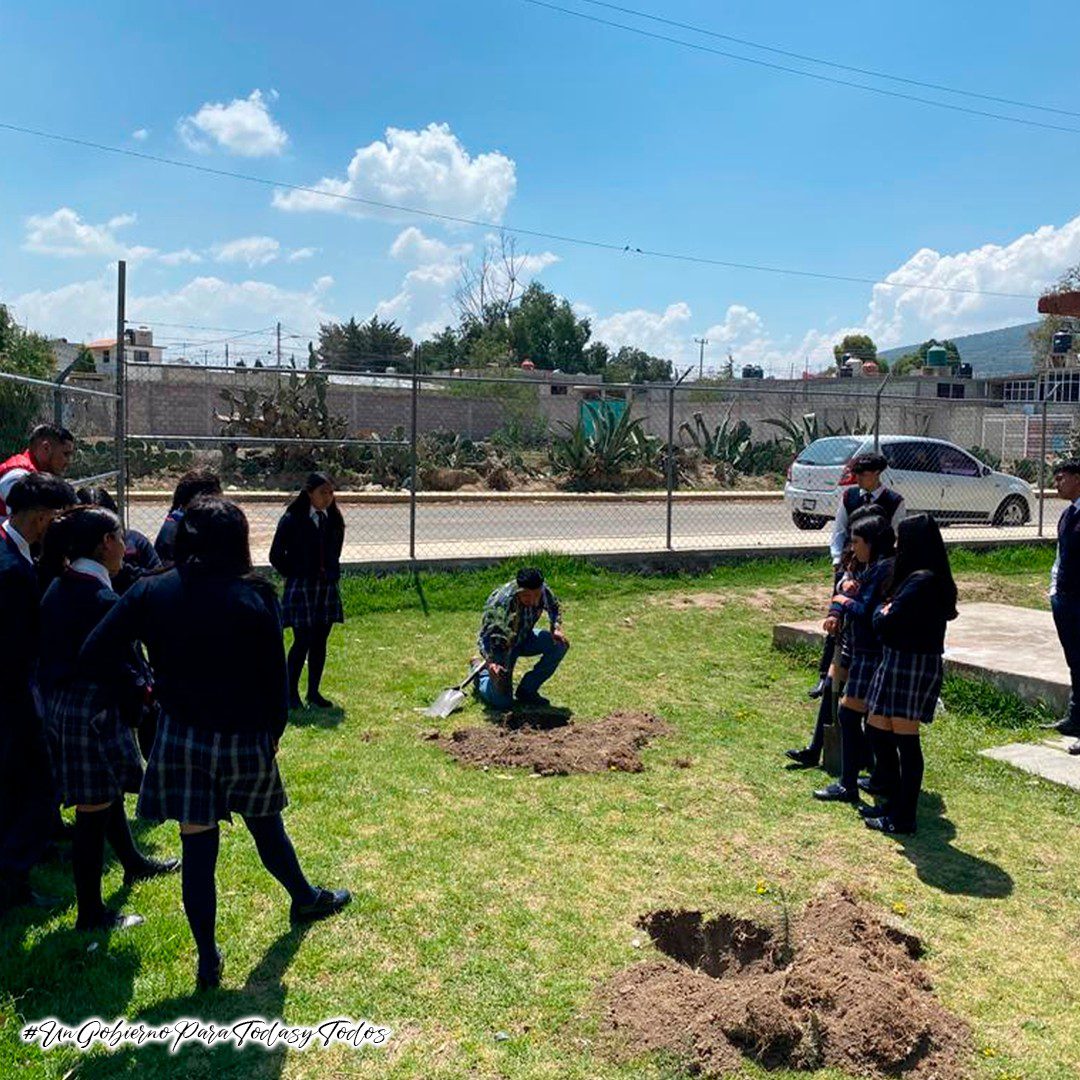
(807, 522)
(1012, 512)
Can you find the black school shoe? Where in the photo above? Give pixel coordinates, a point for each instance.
(805, 756)
(1067, 726)
(816, 692)
(150, 868)
(110, 920)
(878, 810)
(837, 793)
(866, 783)
(531, 697)
(210, 978)
(317, 701)
(1075, 748)
(326, 903)
(890, 827)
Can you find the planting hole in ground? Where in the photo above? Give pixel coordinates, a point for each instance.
(833, 987)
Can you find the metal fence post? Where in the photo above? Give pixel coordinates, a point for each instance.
(1042, 459)
(121, 397)
(670, 461)
(877, 411)
(413, 455)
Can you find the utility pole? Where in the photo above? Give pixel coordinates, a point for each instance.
(279, 344)
(121, 391)
(701, 356)
(226, 354)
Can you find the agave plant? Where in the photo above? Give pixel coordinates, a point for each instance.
(799, 434)
(598, 454)
(727, 446)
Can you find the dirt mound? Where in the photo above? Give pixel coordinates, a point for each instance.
(837, 988)
(611, 743)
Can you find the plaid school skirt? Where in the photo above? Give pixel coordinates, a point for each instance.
(311, 602)
(906, 685)
(95, 756)
(200, 777)
(860, 671)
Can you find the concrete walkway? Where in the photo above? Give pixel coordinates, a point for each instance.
(1017, 650)
(1014, 648)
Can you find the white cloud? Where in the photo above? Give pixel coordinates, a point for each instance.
(252, 250)
(243, 127)
(425, 170)
(64, 233)
(301, 253)
(141, 134)
(413, 245)
(177, 258)
(87, 309)
(665, 333)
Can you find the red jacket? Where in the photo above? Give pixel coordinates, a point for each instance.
(16, 461)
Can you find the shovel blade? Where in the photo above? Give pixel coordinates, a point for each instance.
(445, 703)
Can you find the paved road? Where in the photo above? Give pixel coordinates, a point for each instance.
(463, 529)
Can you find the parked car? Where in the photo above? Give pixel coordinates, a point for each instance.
(935, 477)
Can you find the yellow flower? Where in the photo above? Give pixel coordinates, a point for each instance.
(763, 888)
(989, 1051)
(899, 908)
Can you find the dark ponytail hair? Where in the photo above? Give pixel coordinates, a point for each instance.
(96, 496)
(193, 484)
(878, 533)
(213, 535)
(301, 505)
(76, 534)
(921, 549)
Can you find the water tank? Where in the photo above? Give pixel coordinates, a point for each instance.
(963, 371)
(752, 371)
(1061, 343)
(937, 357)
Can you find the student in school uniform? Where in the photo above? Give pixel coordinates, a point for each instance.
(919, 602)
(867, 491)
(872, 542)
(190, 486)
(48, 450)
(139, 554)
(307, 553)
(95, 757)
(845, 580)
(213, 633)
(27, 792)
(1065, 592)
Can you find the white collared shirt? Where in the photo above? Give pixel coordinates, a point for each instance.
(317, 515)
(840, 525)
(1057, 561)
(20, 540)
(92, 568)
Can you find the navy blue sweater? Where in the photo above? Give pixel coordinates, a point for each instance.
(19, 600)
(302, 550)
(72, 606)
(215, 645)
(916, 617)
(859, 611)
(1068, 574)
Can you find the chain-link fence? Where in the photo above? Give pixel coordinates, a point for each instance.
(87, 410)
(453, 466)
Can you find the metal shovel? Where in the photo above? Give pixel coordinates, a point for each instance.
(453, 697)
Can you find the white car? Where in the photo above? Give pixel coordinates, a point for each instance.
(935, 477)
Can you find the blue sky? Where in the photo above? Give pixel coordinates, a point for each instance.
(513, 113)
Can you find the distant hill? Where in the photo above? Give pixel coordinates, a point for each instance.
(994, 352)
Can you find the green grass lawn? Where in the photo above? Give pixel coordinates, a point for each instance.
(489, 906)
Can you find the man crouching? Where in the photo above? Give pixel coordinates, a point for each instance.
(508, 630)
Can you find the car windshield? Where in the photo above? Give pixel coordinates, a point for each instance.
(833, 451)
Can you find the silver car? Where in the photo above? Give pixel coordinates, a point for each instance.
(935, 477)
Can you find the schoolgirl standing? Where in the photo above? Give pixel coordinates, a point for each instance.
(213, 633)
(139, 554)
(307, 553)
(190, 486)
(95, 756)
(920, 601)
(872, 542)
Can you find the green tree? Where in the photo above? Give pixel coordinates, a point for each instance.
(633, 365)
(21, 407)
(371, 346)
(914, 361)
(1041, 336)
(442, 352)
(84, 361)
(544, 329)
(861, 346)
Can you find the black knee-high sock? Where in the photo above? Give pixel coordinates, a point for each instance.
(886, 761)
(316, 658)
(87, 859)
(824, 716)
(850, 746)
(297, 655)
(199, 891)
(279, 856)
(118, 833)
(827, 654)
(906, 804)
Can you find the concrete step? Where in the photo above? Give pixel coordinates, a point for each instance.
(1048, 759)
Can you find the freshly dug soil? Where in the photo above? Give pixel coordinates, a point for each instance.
(840, 989)
(611, 743)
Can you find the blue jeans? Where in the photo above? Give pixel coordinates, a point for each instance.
(498, 693)
(1066, 611)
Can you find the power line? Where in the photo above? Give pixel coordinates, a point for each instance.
(829, 63)
(804, 74)
(598, 245)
